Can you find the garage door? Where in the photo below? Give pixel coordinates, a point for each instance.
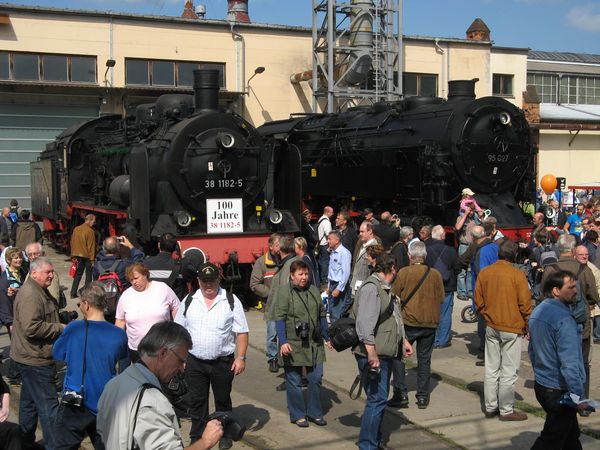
(24, 132)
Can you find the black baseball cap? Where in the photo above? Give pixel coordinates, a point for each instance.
(208, 272)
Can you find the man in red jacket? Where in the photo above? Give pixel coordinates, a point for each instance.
(503, 298)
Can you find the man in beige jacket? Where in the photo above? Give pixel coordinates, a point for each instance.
(83, 249)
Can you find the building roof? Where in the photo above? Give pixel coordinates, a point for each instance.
(568, 57)
(478, 25)
(569, 113)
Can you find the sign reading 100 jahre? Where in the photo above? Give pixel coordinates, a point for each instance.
(224, 215)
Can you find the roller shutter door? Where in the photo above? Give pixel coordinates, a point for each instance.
(24, 132)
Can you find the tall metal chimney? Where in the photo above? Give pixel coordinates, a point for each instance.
(237, 11)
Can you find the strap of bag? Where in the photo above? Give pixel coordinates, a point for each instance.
(357, 384)
(143, 389)
(188, 301)
(87, 325)
(414, 291)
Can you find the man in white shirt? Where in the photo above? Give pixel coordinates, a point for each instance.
(215, 319)
(323, 229)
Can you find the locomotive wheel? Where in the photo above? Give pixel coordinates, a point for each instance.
(468, 315)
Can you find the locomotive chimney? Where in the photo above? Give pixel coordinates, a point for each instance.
(237, 11)
(461, 89)
(206, 90)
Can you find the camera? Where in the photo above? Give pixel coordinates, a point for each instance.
(120, 239)
(67, 316)
(177, 386)
(72, 398)
(232, 428)
(302, 330)
(374, 373)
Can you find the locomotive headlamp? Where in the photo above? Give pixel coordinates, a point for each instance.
(504, 118)
(225, 140)
(183, 219)
(275, 216)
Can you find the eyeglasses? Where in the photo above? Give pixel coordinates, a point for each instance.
(33, 254)
(181, 360)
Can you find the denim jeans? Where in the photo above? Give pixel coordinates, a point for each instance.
(272, 347)
(596, 329)
(323, 263)
(295, 399)
(38, 399)
(340, 305)
(424, 338)
(464, 277)
(377, 395)
(443, 335)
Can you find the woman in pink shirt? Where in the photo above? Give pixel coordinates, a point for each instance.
(142, 305)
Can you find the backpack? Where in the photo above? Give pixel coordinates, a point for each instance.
(547, 258)
(112, 286)
(188, 301)
(342, 332)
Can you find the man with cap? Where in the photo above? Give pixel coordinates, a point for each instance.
(215, 319)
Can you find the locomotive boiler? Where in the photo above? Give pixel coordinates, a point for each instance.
(414, 156)
(178, 165)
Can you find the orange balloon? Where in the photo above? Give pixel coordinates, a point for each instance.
(548, 183)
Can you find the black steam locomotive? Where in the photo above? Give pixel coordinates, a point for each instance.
(414, 156)
(178, 165)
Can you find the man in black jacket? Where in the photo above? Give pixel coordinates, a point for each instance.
(443, 257)
(175, 273)
(387, 230)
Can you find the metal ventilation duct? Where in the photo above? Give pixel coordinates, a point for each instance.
(361, 37)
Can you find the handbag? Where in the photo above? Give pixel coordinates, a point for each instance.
(73, 268)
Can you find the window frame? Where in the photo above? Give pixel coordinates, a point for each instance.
(502, 77)
(41, 72)
(176, 72)
(419, 79)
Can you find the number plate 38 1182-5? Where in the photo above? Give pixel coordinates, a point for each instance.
(232, 183)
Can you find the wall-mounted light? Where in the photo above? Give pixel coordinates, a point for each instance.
(258, 70)
(109, 63)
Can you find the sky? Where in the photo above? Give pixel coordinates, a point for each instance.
(549, 25)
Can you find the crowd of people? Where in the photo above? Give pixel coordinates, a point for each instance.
(160, 333)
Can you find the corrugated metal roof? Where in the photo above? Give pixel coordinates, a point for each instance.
(585, 58)
(570, 113)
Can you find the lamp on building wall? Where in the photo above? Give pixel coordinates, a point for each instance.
(258, 70)
(109, 64)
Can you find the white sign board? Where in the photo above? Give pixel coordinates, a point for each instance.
(224, 215)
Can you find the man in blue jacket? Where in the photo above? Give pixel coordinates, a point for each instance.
(91, 349)
(556, 357)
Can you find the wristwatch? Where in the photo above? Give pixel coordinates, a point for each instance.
(242, 357)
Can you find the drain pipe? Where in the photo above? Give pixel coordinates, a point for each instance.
(240, 51)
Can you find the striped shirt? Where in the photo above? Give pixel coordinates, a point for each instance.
(213, 330)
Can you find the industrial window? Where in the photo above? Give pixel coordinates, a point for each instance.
(136, 72)
(167, 73)
(419, 84)
(83, 69)
(163, 73)
(43, 67)
(502, 85)
(580, 90)
(4, 66)
(25, 66)
(545, 86)
(56, 68)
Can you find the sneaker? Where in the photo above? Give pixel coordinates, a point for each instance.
(398, 401)
(422, 402)
(273, 366)
(225, 443)
(514, 416)
(259, 306)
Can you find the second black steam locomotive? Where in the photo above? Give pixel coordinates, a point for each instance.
(414, 156)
